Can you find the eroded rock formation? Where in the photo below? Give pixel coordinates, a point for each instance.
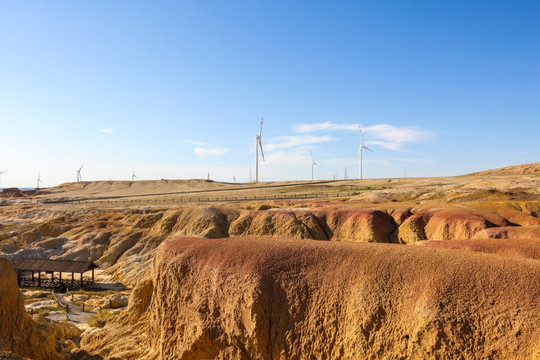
(21, 335)
(242, 298)
(123, 241)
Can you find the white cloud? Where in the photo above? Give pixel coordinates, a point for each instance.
(206, 152)
(393, 137)
(287, 159)
(325, 126)
(107, 131)
(383, 135)
(284, 142)
(194, 142)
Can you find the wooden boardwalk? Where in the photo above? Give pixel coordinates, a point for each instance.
(75, 312)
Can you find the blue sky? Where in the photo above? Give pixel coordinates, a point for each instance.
(177, 89)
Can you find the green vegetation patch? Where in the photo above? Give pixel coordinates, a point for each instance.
(100, 319)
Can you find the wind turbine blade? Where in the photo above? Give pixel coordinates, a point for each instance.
(81, 167)
(365, 147)
(260, 145)
(260, 130)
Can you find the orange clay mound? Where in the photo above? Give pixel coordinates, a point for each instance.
(412, 228)
(525, 248)
(461, 224)
(268, 298)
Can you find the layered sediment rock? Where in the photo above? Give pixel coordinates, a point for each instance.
(19, 334)
(412, 229)
(460, 224)
(243, 298)
(124, 241)
(359, 225)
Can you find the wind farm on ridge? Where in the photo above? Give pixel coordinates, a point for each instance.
(258, 146)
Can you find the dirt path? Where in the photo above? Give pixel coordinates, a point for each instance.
(75, 314)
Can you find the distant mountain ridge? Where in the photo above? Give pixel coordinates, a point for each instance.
(525, 169)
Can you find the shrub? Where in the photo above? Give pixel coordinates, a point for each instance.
(43, 312)
(99, 319)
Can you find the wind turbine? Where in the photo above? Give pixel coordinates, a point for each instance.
(133, 176)
(258, 143)
(313, 163)
(39, 180)
(362, 147)
(79, 177)
(1, 172)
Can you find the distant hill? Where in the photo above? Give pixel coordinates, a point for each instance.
(525, 169)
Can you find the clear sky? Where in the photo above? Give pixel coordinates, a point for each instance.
(177, 88)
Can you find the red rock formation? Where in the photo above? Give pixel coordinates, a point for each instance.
(460, 224)
(358, 225)
(400, 215)
(412, 229)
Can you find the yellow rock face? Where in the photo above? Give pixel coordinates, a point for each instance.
(19, 334)
(263, 298)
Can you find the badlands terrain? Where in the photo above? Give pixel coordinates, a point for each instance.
(409, 268)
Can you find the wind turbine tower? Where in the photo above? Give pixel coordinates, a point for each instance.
(1, 172)
(39, 181)
(133, 176)
(362, 147)
(258, 143)
(313, 163)
(79, 177)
